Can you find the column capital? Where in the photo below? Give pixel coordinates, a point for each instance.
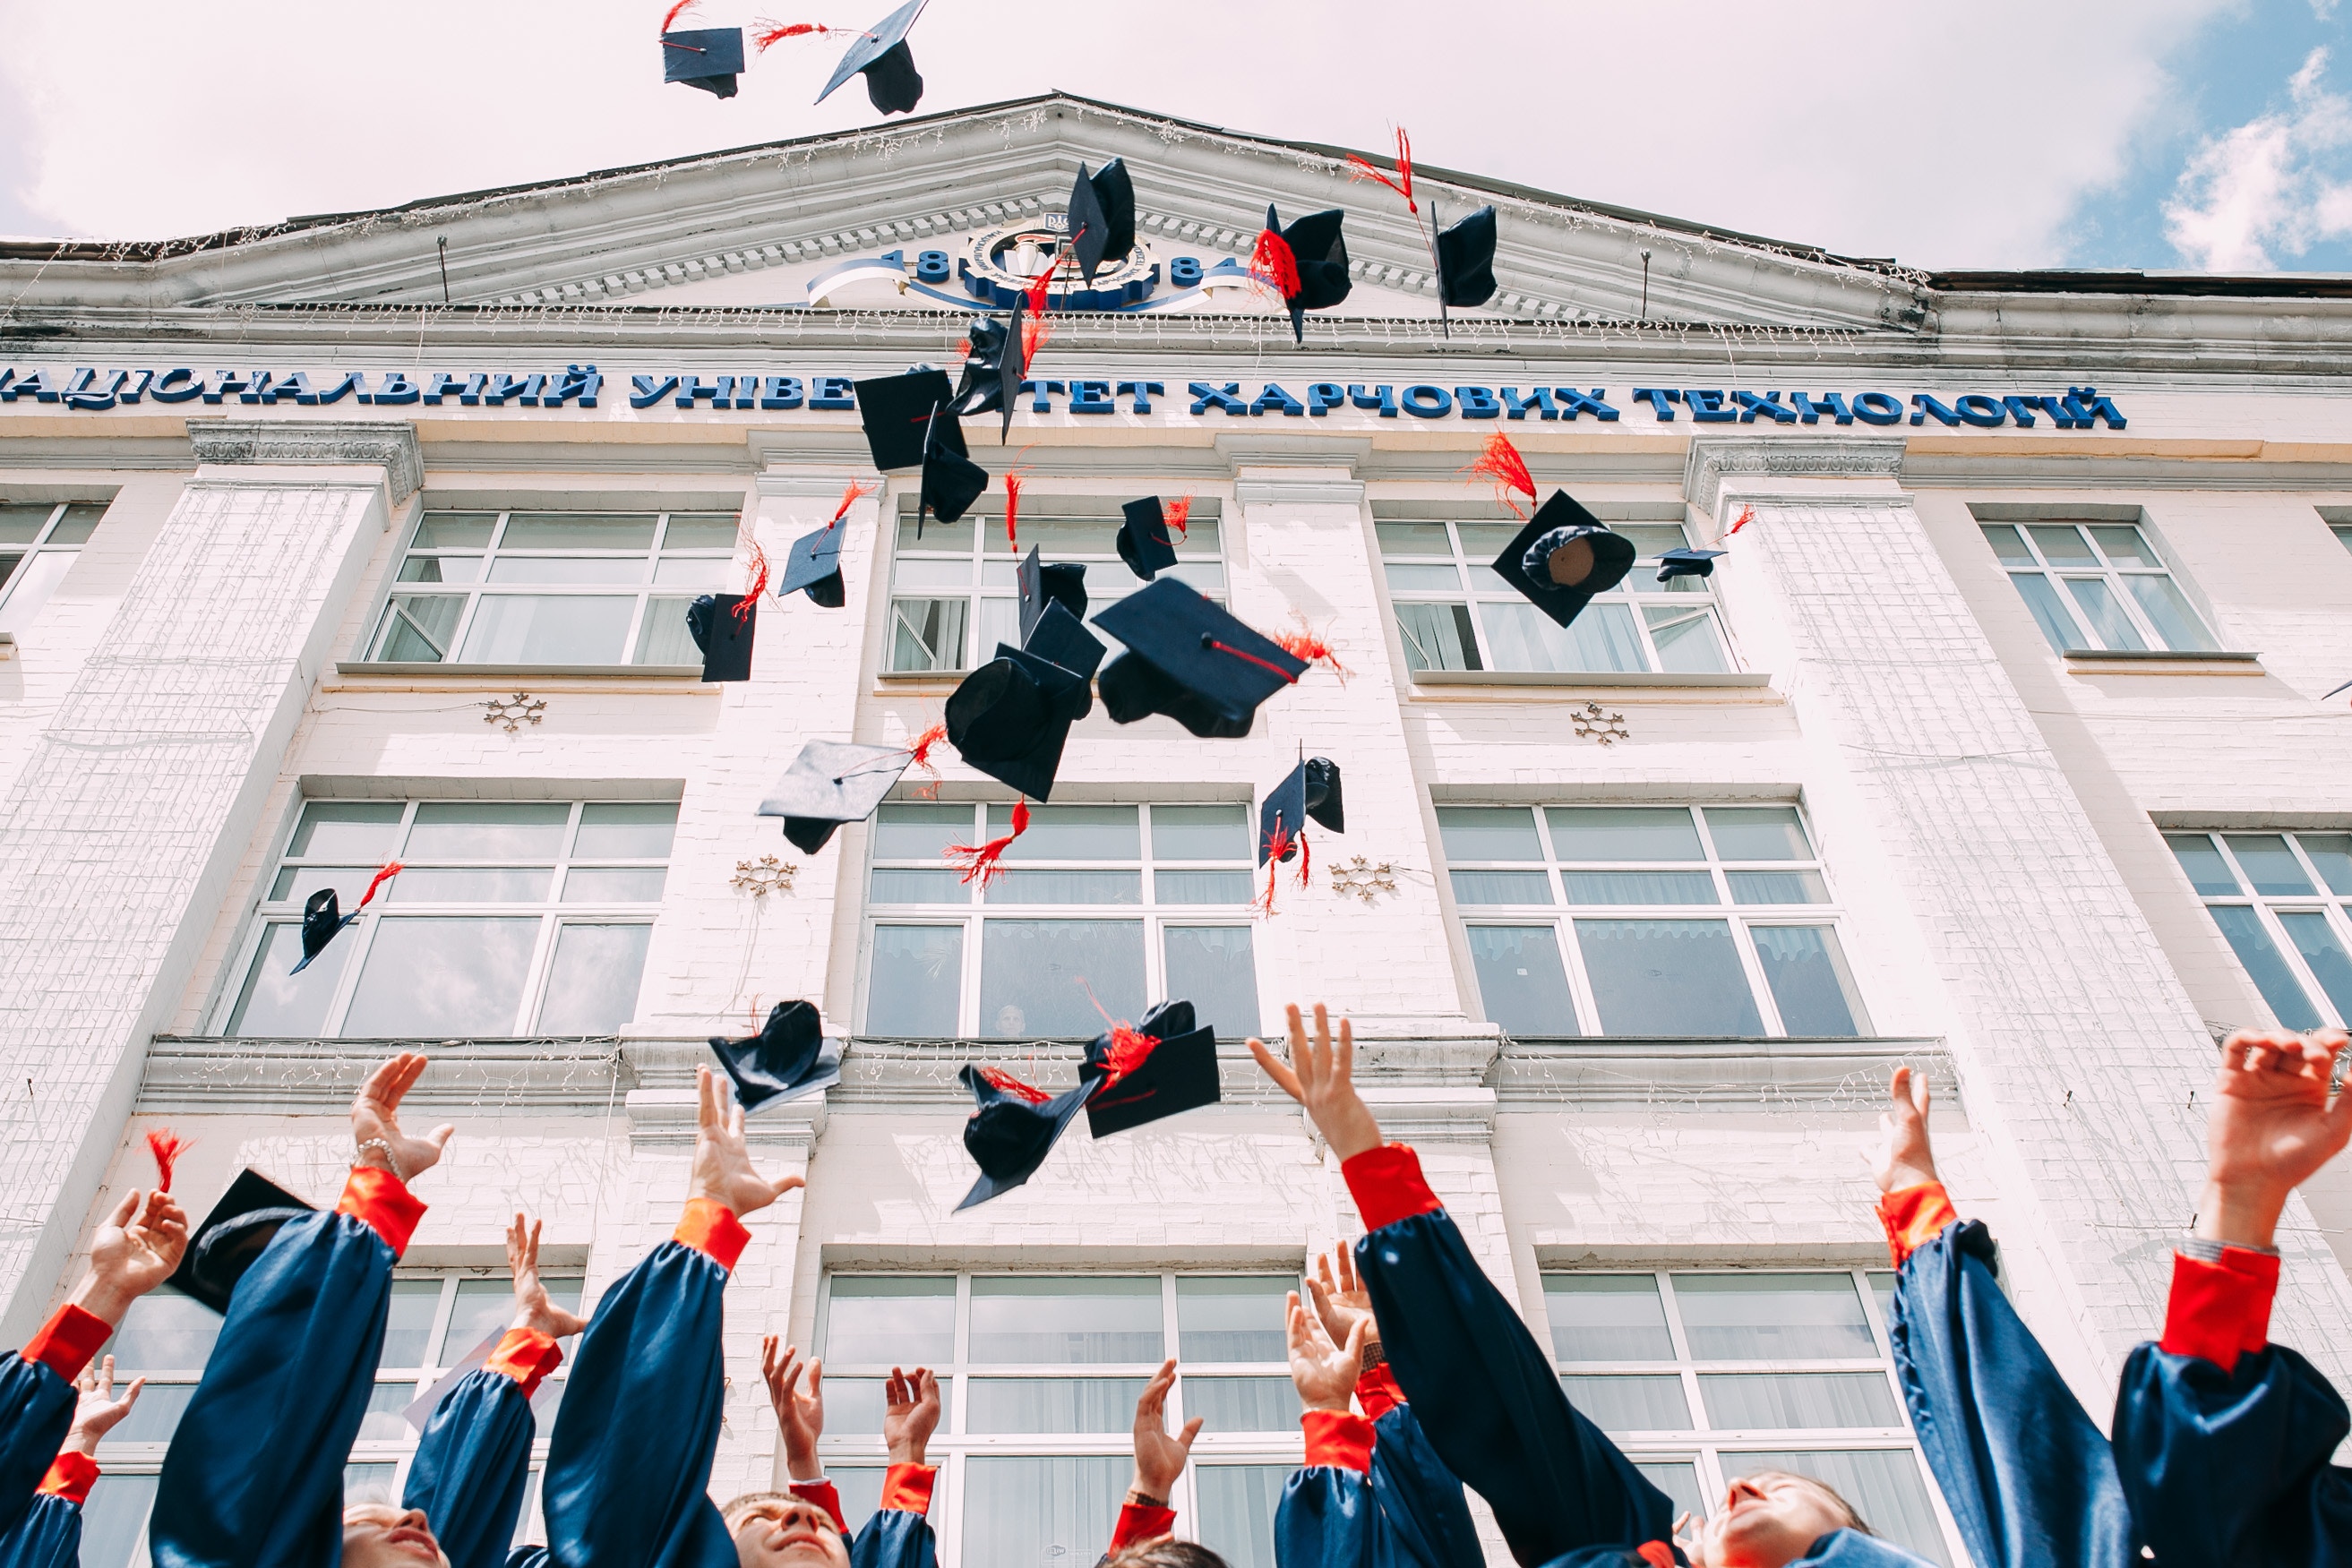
(1715, 460)
(389, 443)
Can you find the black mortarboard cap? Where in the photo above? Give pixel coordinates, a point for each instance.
(815, 565)
(321, 918)
(881, 53)
(1320, 253)
(1179, 1074)
(1010, 718)
(829, 783)
(233, 1236)
(1308, 792)
(1323, 803)
(788, 1058)
(724, 637)
(951, 481)
(979, 385)
(1189, 659)
(1143, 542)
(1102, 216)
(1465, 259)
(1060, 583)
(1688, 563)
(1009, 1135)
(1611, 556)
(1063, 638)
(707, 58)
(897, 413)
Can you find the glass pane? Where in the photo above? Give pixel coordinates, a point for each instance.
(1639, 887)
(2178, 626)
(1502, 887)
(1237, 1505)
(1757, 833)
(156, 1416)
(82, 519)
(1413, 539)
(470, 884)
(1648, 1404)
(1882, 1290)
(1678, 1478)
(1424, 579)
(1778, 887)
(417, 627)
(534, 629)
(1214, 968)
(613, 885)
(113, 1517)
(2104, 613)
(701, 530)
(2269, 972)
(441, 569)
(1521, 980)
(277, 1003)
(707, 573)
(1242, 1403)
(459, 530)
(1488, 833)
(623, 831)
(1233, 1318)
(2062, 545)
(2050, 612)
(591, 987)
(928, 634)
(1652, 540)
(1883, 1485)
(552, 569)
(1200, 833)
(2323, 954)
(1065, 887)
(1772, 1317)
(2007, 545)
(998, 623)
(382, 1422)
(663, 637)
(408, 1326)
(1607, 1317)
(165, 1331)
(1065, 1321)
(2126, 545)
(1623, 833)
(1072, 833)
(1053, 1403)
(1201, 886)
(295, 883)
(916, 982)
(1667, 977)
(1688, 641)
(33, 585)
(21, 522)
(887, 1320)
(369, 1483)
(859, 1487)
(487, 829)
(1524, 638)
(341, 830)
(921, 832)
(2332, 853)
(1031, 970)
(922, 572)
(1437, 637)
(2208, 871)
(1752, 1401)
(559, 530)
(1811, 983)
(2268, 863)
(854, 1406)
(893, 886)
(442, 978)
(482, 1306)
(1040, 1512)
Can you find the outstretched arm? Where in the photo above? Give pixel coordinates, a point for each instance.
(1159, 1459)
(48, 1535)
(1328, 1517)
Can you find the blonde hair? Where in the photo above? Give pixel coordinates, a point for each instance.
(1164, 1552)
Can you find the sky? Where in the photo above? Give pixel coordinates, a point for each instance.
(2212, 135)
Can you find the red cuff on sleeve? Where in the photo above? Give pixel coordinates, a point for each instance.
(1387, 1184)
(1138, 1522)
(381, 1201)
(1913, 1216)
(1377, 1393)
(710, 1227)
(67, 1341)
(908, 1488)
(1340, 1438)
(2220, 1311)
(71, 1475)
(526, 1355)
(1657, 1554)
(826, 1496)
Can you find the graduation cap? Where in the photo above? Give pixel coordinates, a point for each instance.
(1309, 792)
(1063, 638)
(1308, 262)
(1465, 260)
(233, 1236)
(951, 481)
(1688, 563)
(1101, 217)
(832, 782)
(1189, 659)
(980, 386)
(722, 625)
(1062, 583)
(707, 58)
(322, 918)
(788, 1058)
(1163, 1066)
(897, 413)
(1014, 1128)
(815, 565)
(881, 54)
(1563, 556)
(1010, 718)
(1143, 542)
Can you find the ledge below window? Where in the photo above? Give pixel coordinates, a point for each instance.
(522, 671)
(2161, 662)
(1557, 678)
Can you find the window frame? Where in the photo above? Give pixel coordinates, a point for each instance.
(42, 544)
(2333, 907)
(2104, 570)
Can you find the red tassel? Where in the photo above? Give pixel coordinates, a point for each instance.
(980, 861)
(1501, 463)
(1178, 514)
(1006, 1083)
(167, 1148)
(756, 568)
(1272, 264)
(682, 6)
(1360, 169)
(1253, 658)
(774, 33)
(1012, 511)
(1304, 645)
(1041, 285)
(1306, 860)
(1129, 1051)
(858, 489)
(1747, 516)
(390, 869)
(1036, 333)
(920, 752)
(964, 348)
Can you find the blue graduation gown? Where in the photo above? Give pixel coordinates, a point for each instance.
(37, 1408)
(48, 1535)
(1406, 1511)
(472, 1468)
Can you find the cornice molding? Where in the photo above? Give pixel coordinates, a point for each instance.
(1839, 1074)
(1713, 459)
(389, 443)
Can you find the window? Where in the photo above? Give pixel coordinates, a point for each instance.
(437, 1317)
(511, 917)
(37, 544)
(1705, 1377)
(2098, 587)
(553, 588)
(1086, 914)
(2281, 901)
(1641, 624)
(1039, 1376)
(1679, 920)
(2343, 532)
(952, 594)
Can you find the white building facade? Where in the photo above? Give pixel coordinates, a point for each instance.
(1995, 745)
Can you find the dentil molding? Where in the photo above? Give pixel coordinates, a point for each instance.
(390, 443)
(1715, 458)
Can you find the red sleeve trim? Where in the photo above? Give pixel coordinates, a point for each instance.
(526, 1355)
(908, 1488)
(710, 1227)
(1914, 1216)
(71, 1475)
(2219, 1311)
(1387, 1184)
(1657, 1554)
(67, 1341)
(1340, 1438)
(381, 1201)
(1377, 1393)
(1140, 1523)
(823, 1493)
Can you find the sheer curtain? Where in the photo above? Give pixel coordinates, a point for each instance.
(1034, 1512)
(1237, 1504)
(1882, 1484)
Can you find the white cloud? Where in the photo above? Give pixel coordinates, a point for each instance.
(2269, 188)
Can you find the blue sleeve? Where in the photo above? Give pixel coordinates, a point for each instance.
(254, 1478)
(1326, 1519)
(893, 1538)
(2030, 1480)
(628, 1467)
(1425, 1518)
(36, 1408)
(1850, 1549)
(47, 1536)
(1491, 1404)
(472, 1468)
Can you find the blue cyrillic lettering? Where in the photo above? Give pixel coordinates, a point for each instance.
(1383, 399)
(1143, 393)
(1573, 402)
(1477, 403)
(1922, 405)
(649, 390)
(1322, 397)
(1767, 403)
(1274, 397)
(1425, 402)
(1230, 400)
(1878, 408)
(1516, 407)
(1658, 398)
(1091, 397)
(1810, 409)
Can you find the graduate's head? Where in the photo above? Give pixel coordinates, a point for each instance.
(378, 1535)
(1769, 1518)
(1165, 1551)
(778, 1530)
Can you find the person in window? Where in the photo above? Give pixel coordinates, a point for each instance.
(49, 1533)
(1488, 1398)
(2221, 1437)
(804, 1527)
(1145, 1530)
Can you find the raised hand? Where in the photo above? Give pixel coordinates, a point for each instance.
(1323, 1372)
(800, 1412)
(1903, 1157)
(136, 1250)
(533, 1309)
(2271, 1130)
(98, 1411)
(376, 1122)
(723, 1171)
(1160, 1458)
(1341, 1302)
(910, 1414)
(1322, 1079)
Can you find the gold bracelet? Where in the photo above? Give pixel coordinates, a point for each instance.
(1142, 1499)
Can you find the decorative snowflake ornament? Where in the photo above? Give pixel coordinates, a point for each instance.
(1592, 724)
(1362, 879)
(765, 875)
(514, 712)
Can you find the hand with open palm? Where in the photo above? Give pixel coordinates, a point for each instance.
(2272, 1128)
(375, 1121)
(533, 1307)
(723, 1171)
